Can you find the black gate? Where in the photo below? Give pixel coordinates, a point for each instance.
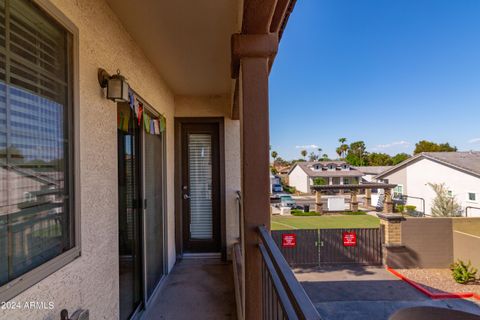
(319, 247)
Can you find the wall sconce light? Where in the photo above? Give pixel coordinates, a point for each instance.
(117, 86)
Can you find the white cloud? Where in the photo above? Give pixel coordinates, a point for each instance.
(401, 143)
(308, 146)
(474, 140)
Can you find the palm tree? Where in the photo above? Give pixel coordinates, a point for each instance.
(304, 153)
(325, 156)
(274, 155)
(342, 150)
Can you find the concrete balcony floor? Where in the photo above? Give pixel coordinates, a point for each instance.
(196, 289)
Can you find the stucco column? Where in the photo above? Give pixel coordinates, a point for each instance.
(368, 197)
(318, 202)
(253, 53)
(387, 202)
(330, 181)
(353, 201)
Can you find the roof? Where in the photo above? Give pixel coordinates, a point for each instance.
(466, 161)
(372, 169)
(313, 174)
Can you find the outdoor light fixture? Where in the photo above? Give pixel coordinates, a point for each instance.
(117, 86)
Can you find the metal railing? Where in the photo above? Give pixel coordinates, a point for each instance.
(470, 207)
(405, 198)
(282, 295)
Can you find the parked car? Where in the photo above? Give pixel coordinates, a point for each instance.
(277, 188)
(287, 201)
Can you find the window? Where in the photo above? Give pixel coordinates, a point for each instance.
(472, 196)
(398, 191)
(450, 193)
(346, 181)
(37, 225)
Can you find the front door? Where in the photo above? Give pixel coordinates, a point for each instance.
(201, 187)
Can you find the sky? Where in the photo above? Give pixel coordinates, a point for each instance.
(388, 72)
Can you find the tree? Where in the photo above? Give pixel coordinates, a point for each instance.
(399, 157)
(356, 155)
(343, 148)
(429, 146)
(379, 159)
(313, 157)
(444, 204)
(303, 153)
(325, 157)
(274, 155)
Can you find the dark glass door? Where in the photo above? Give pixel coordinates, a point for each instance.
(129, 218)
(154, 211)
(201, 187)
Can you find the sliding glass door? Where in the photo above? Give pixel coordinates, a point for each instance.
(129, 218)
(154, 208)
(141, 193)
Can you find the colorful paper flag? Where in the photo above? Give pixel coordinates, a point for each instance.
(139, 113)
(152, 127)
(146, 122)
(157, 126)
(163, 124)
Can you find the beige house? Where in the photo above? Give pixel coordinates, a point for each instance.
(134, 155)
(303, 175)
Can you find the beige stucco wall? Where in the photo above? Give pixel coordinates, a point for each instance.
(91, 281)
(219, 106)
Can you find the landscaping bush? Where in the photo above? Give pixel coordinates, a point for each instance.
(354, 213)
(319, 181)
(463, 273)
(289, 189)
(298, 213)
(410, 208)
(400, 208)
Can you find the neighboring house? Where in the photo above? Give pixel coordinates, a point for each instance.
(303, 174)
(460, 171)
(370, 172)
(109, 178)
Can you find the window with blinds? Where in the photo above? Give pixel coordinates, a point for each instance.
(36, 211)
(200, 176)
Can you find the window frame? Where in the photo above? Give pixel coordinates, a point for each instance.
(474, 195)
(13, 288)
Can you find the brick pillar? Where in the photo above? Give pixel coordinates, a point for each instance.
(318, 202)
(368, 197)
(392, 235)
(387, 203)
(353, 201)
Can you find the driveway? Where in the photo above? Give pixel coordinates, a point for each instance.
(366, 293)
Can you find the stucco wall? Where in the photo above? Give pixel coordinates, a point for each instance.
(219, 106)
(299, 179)
(426, 171)
(91, 281)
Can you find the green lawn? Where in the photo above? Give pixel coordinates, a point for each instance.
(319, 222)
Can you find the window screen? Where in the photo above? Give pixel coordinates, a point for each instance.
(36, 222)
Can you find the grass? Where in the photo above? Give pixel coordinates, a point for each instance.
(327, 222)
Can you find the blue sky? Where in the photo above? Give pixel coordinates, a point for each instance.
(389, 72)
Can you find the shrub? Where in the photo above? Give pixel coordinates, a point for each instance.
(354, 213)
(400, 208)
(463, 273)
(299, 213)
(410, 208)
(444, 205)
(319, 181)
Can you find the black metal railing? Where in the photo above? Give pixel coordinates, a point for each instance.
(283, 297)
(470, 208)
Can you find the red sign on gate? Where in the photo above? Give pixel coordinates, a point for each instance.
(289, 240)
(350, 239)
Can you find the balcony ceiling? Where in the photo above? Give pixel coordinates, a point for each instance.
(188, 41)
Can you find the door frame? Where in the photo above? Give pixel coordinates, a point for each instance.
(179, 123)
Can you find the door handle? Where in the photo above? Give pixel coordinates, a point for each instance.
(186, 196)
